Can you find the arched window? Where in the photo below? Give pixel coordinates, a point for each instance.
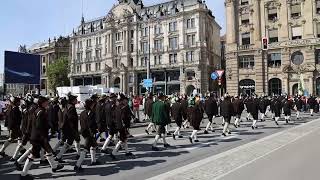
(275, 86)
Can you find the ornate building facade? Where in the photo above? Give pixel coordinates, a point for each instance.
(179, 38)
(49, 51)
(273, 46)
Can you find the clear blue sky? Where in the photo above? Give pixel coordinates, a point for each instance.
(31, 21)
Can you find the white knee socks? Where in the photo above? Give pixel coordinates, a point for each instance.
(16, 152)
(208, 126)
(4, 146)
(51, 161)
(77, 146)
(26, 167)
(225, 128)
(254, 123)
(55, 148)
(93, 154)
(116, 149)
(156, 139)
(107, 142)
(177, 132)
(194, 134)
(24, 156)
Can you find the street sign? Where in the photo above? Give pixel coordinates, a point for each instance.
(147, 83)
(220, 73)
(214, 76)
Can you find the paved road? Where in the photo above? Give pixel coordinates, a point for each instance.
(296, 161)
(148, 163)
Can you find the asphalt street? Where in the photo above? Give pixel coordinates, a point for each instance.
(146, 163)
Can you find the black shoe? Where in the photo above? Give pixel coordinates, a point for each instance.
(95, 163)
(222, 124)
(196, 140)
(155, 148)
(205, 132)
(102, 140)
(78, 169)
(104, 151)
(190, 139)
(229, 132)
(187, 127)
(276, 123)
(131, 136)
(287, 121)
(223, 134)
(180, 136)
(18, 166)
(44, 162)
(3, 154)
(59, 166)
(166, 145)
(154, 131)
(129, 154)
(169, 134)
(77, 156)
(174, 136)
(252, 127)
(146, 131)
(235, 126)
(113, 157)
(27, 177)
(60, 160)
(12, 160)
(214, 123)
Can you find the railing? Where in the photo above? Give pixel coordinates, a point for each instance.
(245, 47)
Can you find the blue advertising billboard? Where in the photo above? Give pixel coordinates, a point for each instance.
(21, 68)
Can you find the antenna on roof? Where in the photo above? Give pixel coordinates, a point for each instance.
(82, 17)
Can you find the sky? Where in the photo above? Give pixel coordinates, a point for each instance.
(32, 21)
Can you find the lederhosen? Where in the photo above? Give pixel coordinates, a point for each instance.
(14, 122)
(70, 124)
(27, 118)
(88, 129)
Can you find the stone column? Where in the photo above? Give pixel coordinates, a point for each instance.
(257, 23)
(307, 13)
(108, 80)
(284, 29)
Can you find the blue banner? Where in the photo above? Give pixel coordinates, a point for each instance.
(21, 68)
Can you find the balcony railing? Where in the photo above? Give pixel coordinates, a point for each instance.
(245, 47)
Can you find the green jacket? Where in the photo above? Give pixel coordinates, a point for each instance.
(160, 115)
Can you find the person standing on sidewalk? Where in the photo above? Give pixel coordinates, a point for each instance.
(211, 109)
(161, 119)
(226, 111)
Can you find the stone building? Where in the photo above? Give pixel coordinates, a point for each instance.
(179, 38)
(50, 51)
(290, 29)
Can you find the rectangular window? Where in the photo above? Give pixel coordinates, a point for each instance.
(246, 62)
(98, 40)
(132, 34)
(272, 14)
(157, 59)
(88, 67)
(295, 10)
(144, 31)
(79, 44)
(158, 44)
(190, 56)
(317, 56)
(318, 6)
(78, 69)
(244, 2)
(44, 70)
(173, 43)
(88, 55)
(158, 29)
(78, 57)
(172, 26)
(173, 58)
(144, 47)
(191, 40)
(98, 66)
(143, 62)
(296, 32)
(131, 47)
(274, 60)
(119, 49)
(245, 19)
(318, 30)
(273, 35)
(246, 39)
(130, 78)
(190, 23)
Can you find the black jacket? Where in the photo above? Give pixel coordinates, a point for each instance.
(70, 121)
(211, 107)
(14, 117)
(176, 112)
(88, 124)
(40, 125)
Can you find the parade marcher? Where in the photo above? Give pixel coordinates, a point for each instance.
(14, 117)
(161, 119)
(88, 130)
(136, 108)
(25, 125)
(148, 112)
(40, 139)
(226, 112)
(62, 107)
(298, 105)
(277, 109)
(211, 109)
(253, 109)
(238, 108)
(195, 115)
(176, 113)
(53, 111)
(70, 127)
(168, 104)
(121, 117)
(110, 106)
(312, 103)
(287, 106)
(184, 104)
(100, 116)
(263, 104)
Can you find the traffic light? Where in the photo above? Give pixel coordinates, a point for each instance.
(265, 43)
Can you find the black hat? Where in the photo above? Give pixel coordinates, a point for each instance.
(94, 97)
(71, 97)
(160, 95)
(88, 103)
(122, 97)
(112, 95)
(42, 99)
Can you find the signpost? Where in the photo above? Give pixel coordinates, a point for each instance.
(147, 83)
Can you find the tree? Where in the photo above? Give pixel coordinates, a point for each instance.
(58, 74)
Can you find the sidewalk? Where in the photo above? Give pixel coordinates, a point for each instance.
(218, 166)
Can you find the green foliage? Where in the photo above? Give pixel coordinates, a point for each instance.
(58, 73)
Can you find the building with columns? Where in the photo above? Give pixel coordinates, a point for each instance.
(291, 31)
(179, 38)
(49, 51)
